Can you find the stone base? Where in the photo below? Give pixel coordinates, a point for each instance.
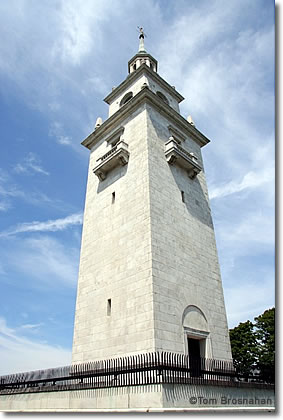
(167, 397)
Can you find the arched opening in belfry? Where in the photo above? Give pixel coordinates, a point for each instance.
(126, 98)
(162, 97)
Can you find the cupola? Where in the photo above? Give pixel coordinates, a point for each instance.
(142, 57)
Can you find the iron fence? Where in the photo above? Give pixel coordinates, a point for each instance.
(140, 369)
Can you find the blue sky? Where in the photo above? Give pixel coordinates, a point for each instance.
(58, 60)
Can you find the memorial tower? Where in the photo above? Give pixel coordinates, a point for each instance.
(149, 283)
(149, 277)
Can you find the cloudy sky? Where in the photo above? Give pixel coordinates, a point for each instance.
(58, 60)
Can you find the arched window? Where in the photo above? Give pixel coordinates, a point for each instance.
(162, 97)
(126, 98)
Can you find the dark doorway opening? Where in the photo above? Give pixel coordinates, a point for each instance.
(194, 356)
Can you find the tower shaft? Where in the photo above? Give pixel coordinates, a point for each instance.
(149, 276)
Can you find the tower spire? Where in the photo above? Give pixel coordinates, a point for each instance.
(142, 56)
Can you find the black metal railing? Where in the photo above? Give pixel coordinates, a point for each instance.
(141, 369)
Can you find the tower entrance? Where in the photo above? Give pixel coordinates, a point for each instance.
(194, 349)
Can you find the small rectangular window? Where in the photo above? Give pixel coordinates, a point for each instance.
(183, 196)
(113, 197)
(108, 307)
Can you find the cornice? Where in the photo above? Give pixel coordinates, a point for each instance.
(134, 76)
(145, 96)
(142, 55)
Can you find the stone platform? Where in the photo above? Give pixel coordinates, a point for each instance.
(159, 397)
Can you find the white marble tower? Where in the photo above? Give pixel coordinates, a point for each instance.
(149, 276)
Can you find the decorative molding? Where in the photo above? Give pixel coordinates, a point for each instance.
(175, 154)
(145, 96)
(134, 76)
(178, 137)
(192, 332)
(117, 156)
(115, 136)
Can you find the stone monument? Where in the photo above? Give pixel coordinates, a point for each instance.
(149, 276)
(150, 325)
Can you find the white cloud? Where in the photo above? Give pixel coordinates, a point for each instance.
(44, 47)
(43, 261)
(30, 164)
(251, 180)
(54, 106)
(4, 205)
(245, 235)
(65, 140)
(10, 192)
(31, 326)
(221, 70)
(76, 40)
(246, 301)
(252, 232)
(95, 84)
(2, 271)
(19, 353)
(57, 131)
(246, 253)
(49, 225)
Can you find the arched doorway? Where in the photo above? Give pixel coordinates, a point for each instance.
(196, 337)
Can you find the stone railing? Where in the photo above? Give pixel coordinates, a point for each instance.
(176, 154)
(117, 156)
(111, 152)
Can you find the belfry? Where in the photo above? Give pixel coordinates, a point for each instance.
(149, 276)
